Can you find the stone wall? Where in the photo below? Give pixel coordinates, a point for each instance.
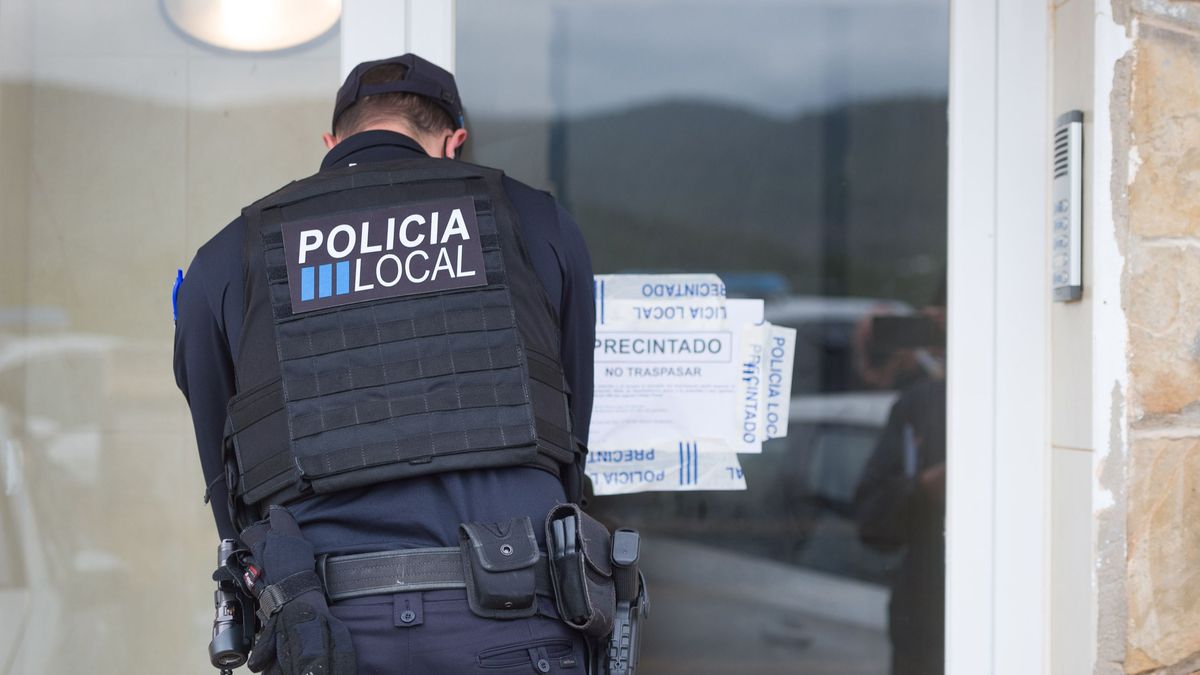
(1156, 171)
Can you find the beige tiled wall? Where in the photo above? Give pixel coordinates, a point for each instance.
(1071, 323)
(1071, 594)
(123, 147)
(1072, 630)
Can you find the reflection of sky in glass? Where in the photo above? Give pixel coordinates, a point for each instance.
(797, 148)
(778, 57)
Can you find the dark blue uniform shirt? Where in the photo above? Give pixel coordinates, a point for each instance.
(424, 511)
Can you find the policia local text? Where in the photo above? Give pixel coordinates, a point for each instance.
(410, 233)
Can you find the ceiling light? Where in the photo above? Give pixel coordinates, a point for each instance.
(254, 25)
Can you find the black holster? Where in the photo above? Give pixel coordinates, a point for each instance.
(620, 654)
(598, 586)
(581, 570)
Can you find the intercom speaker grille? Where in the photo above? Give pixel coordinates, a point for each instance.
(1066, 208)
(1062, 160)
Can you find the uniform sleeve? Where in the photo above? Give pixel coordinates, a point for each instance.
(204, 373)
(578, 317)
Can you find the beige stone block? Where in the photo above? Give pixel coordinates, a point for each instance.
(1137, 661)
(1162, 196)
(1162, 302)
(1154, 288)
(1163, 582)
(1183, 14)
(1165, 382)
(1165, 124)
(1165, 80)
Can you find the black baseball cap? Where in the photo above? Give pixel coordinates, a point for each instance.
(421, 77)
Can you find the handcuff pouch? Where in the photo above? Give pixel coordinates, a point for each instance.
(499, 568)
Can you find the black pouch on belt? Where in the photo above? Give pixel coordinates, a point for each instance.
(499, 566)
(580, 552)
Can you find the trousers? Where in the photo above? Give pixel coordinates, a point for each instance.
(435, 633)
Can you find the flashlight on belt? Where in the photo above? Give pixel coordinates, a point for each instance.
(233, 622)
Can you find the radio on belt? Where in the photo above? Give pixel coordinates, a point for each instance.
(1066, 261)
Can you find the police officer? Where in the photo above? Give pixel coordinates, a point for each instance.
(394, 356)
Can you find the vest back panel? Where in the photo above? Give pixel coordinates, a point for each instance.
(383, 388)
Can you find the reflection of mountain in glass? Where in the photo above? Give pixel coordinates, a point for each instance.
(858, 191)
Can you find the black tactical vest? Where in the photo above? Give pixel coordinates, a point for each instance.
(394, 327)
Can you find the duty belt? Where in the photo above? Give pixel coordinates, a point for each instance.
(398, 571)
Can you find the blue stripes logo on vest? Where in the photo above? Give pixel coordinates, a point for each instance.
(319, 281)
(689, 463)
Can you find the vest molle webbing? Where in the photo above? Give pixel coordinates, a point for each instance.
(430, 344)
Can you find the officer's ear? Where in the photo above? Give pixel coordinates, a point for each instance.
(454, 142)
(330, 140)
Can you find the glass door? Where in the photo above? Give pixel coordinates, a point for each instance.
(797, 149)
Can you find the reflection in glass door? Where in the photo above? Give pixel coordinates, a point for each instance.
(798, 150)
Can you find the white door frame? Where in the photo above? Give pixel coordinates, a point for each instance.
(997, 554)
(997, 607)
(376, 29)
